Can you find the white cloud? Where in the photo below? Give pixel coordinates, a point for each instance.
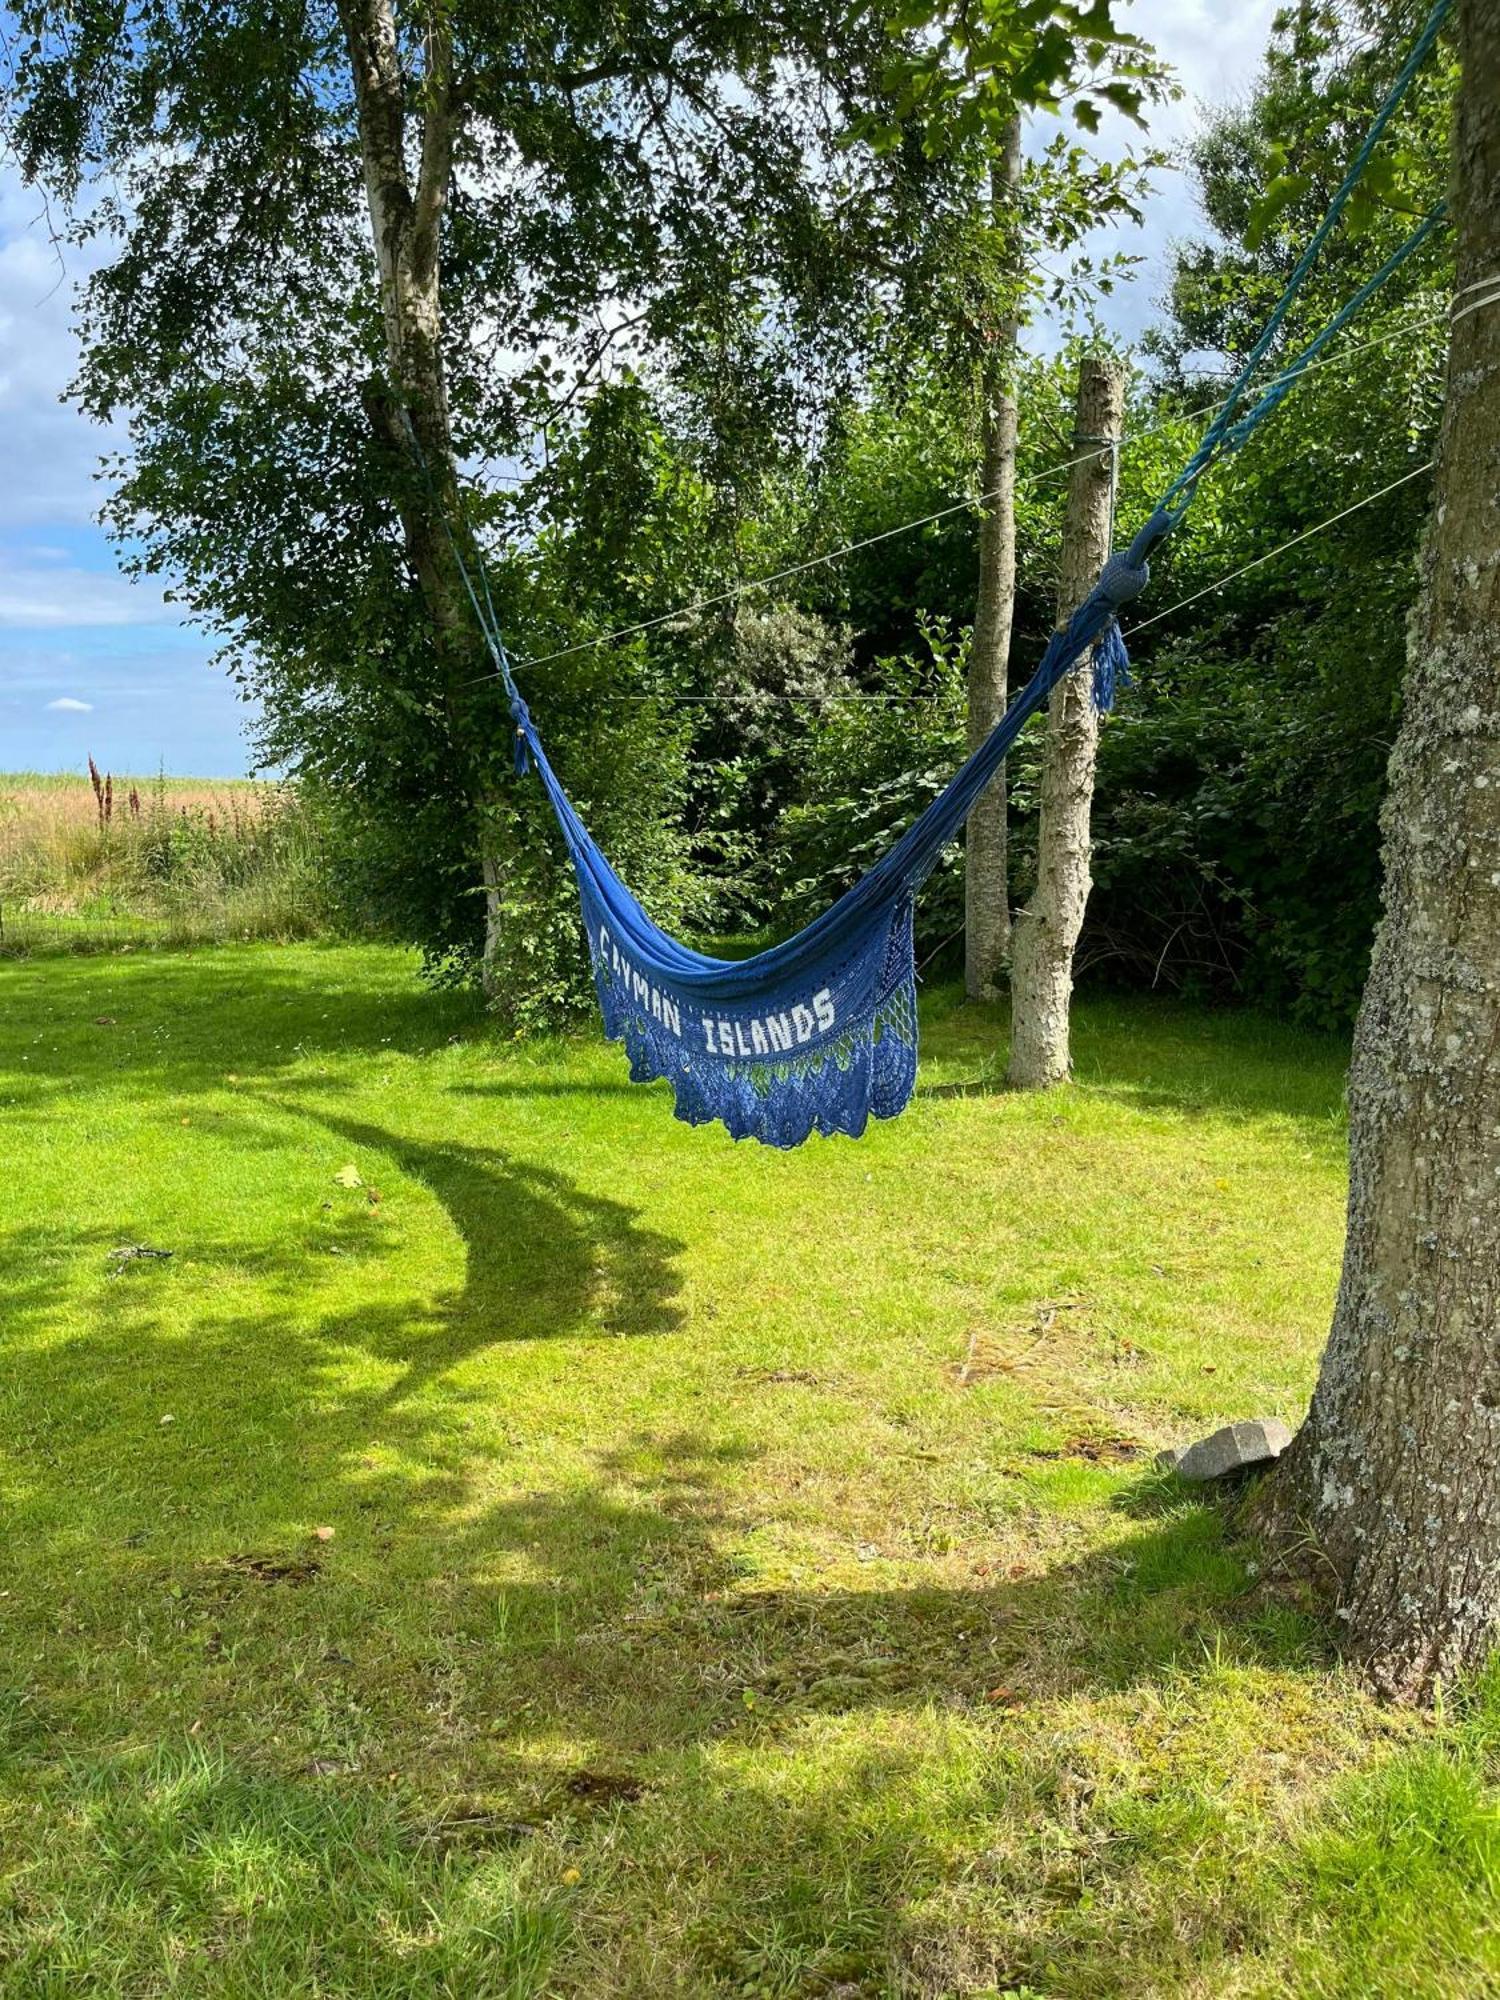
(52, 452)
(1215, 48)
(51, 598)
(66, 705)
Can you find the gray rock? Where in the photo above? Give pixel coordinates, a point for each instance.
(1236, 1448)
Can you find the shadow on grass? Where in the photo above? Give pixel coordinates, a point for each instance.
(478, 1668)
(177, 1023)
(542, 1257)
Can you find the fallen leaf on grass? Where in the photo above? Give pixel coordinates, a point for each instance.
(604, 1787)
(323, 1534)
(1099, 1450)
(349, 1176)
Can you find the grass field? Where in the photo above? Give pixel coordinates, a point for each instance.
(98, 862)
(517, 1546)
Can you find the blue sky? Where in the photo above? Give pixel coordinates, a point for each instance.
(93, 663)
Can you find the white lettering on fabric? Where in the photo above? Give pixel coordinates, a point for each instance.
(770, 1035)
(651, 999)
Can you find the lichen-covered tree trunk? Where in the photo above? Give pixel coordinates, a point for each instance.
(406, 217)
(1046, 931)
(986, 863)
(1395, 1476)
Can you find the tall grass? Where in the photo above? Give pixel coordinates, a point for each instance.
(98, 861)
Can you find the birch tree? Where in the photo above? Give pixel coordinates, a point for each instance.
(986, 842)
(966, 88)
(1046, 932)
(343, 247)
(1395, 1476)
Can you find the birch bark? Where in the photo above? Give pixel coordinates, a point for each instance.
(1046, 931)
(407, 198)
(986, 865)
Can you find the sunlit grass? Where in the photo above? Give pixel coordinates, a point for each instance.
(746, 1574)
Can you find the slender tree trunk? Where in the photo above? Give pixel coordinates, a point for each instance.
(406, 216)
(1396, 1473)
(986, 875)
(1046, 932)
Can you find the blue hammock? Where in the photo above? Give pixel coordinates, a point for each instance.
(820, 1033)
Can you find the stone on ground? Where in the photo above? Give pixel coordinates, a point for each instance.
(1235, 1448)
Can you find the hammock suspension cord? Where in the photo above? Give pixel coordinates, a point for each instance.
(819, 1033)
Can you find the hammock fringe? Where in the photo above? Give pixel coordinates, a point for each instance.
(819, 1034)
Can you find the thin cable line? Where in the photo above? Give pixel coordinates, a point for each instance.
(1281, 548)
(797, 569)
(735, 591)
(1194, 597)
(727, 700)
(1492, 299)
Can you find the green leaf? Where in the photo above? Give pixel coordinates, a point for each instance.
(1278, 197)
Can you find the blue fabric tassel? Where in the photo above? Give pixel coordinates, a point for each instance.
(818, 1034)
(1111, 668)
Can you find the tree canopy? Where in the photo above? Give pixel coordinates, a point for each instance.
(710, 287)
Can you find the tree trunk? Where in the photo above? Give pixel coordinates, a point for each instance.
(1046, 932)
(1396, 1473)
(406, 219)
(986, 878)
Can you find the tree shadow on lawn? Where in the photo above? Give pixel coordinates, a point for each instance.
(637, 1626)
(177, 1023)
(542, 1256)
(614, 1601)
(552, 1661)
(542, 1259)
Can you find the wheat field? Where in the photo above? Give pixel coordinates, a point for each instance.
(97, 860)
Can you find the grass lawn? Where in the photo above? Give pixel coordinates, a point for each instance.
(573, 1555)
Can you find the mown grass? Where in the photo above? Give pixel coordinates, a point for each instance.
(745, 1573)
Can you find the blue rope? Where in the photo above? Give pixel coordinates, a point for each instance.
(1224, 434)
(819, 1032)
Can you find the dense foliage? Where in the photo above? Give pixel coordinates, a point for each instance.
(343, 248)
(715, 292)
(1241, 778)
